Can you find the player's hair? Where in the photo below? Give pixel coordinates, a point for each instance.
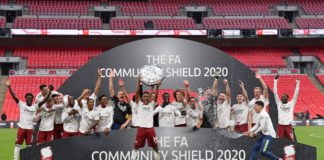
(42, 86)
(260, 103)
(239, 93)
(90, 99)
(286, 95)
(175, 93)
(54, 95)
(100, 97)
(49, 99)
(29, 94)
(192, 97)
(165, 94)
(258, 88)
(146, 92)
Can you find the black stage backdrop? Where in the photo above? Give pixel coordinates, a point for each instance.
(174, 144)
(181, 59)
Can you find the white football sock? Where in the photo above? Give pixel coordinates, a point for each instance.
(157, 155)
(134, 154)
(17, 152)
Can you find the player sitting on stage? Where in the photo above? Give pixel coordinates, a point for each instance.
(285, 111)
(224, 107)
(240, 111)
(194, 116)
(26, 119)
(106, 114)
(180, 103)
(263, 125)
(71, 117)
(90, 116)
(259, 96)
(145, 129)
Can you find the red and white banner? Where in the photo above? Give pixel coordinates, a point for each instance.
(231, 32)
(266, 32)
(46, 72)
(75, 32)
(277, 70)
(306, 32)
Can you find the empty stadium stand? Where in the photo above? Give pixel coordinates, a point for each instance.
(3, 1)
(23, 84)
(246, 23)
(152, 8)
(314, 7)
(238, 7)
(174, 23)
(58, 7)
(311, 23)
(320, 77)
(60, 58)
(313, 51)
(127, 23)
(310, 98)
(260, 57)
(58, 23)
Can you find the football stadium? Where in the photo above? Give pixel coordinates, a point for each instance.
(161, 79)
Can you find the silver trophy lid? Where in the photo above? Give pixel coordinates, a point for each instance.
(151, 74)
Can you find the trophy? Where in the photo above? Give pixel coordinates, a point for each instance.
(151, 74)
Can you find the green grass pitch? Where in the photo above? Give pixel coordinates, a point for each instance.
(313, 136)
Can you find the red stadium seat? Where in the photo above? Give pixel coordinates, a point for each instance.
(250, 23)
(310, 23)
(313, 51)
(58, 7)
(2, 22)
(320, 77)
(2, 52)
(260, 57)
(178, 23)
(60, 58)
(58, 23)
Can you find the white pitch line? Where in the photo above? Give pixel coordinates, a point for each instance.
(317, 135)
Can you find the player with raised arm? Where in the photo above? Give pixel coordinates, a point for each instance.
(47, 115)
(58, 123)
(265, 127)
(209, 105)
(180, 103)
(145, 129)
(90, 116)
(259, 96)
(95, 92)
(224, 107)
(194, 116)
(240, 111)
(106, 114)
(122, 110)
(27, 114)
(71, 117)
(285, 111)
